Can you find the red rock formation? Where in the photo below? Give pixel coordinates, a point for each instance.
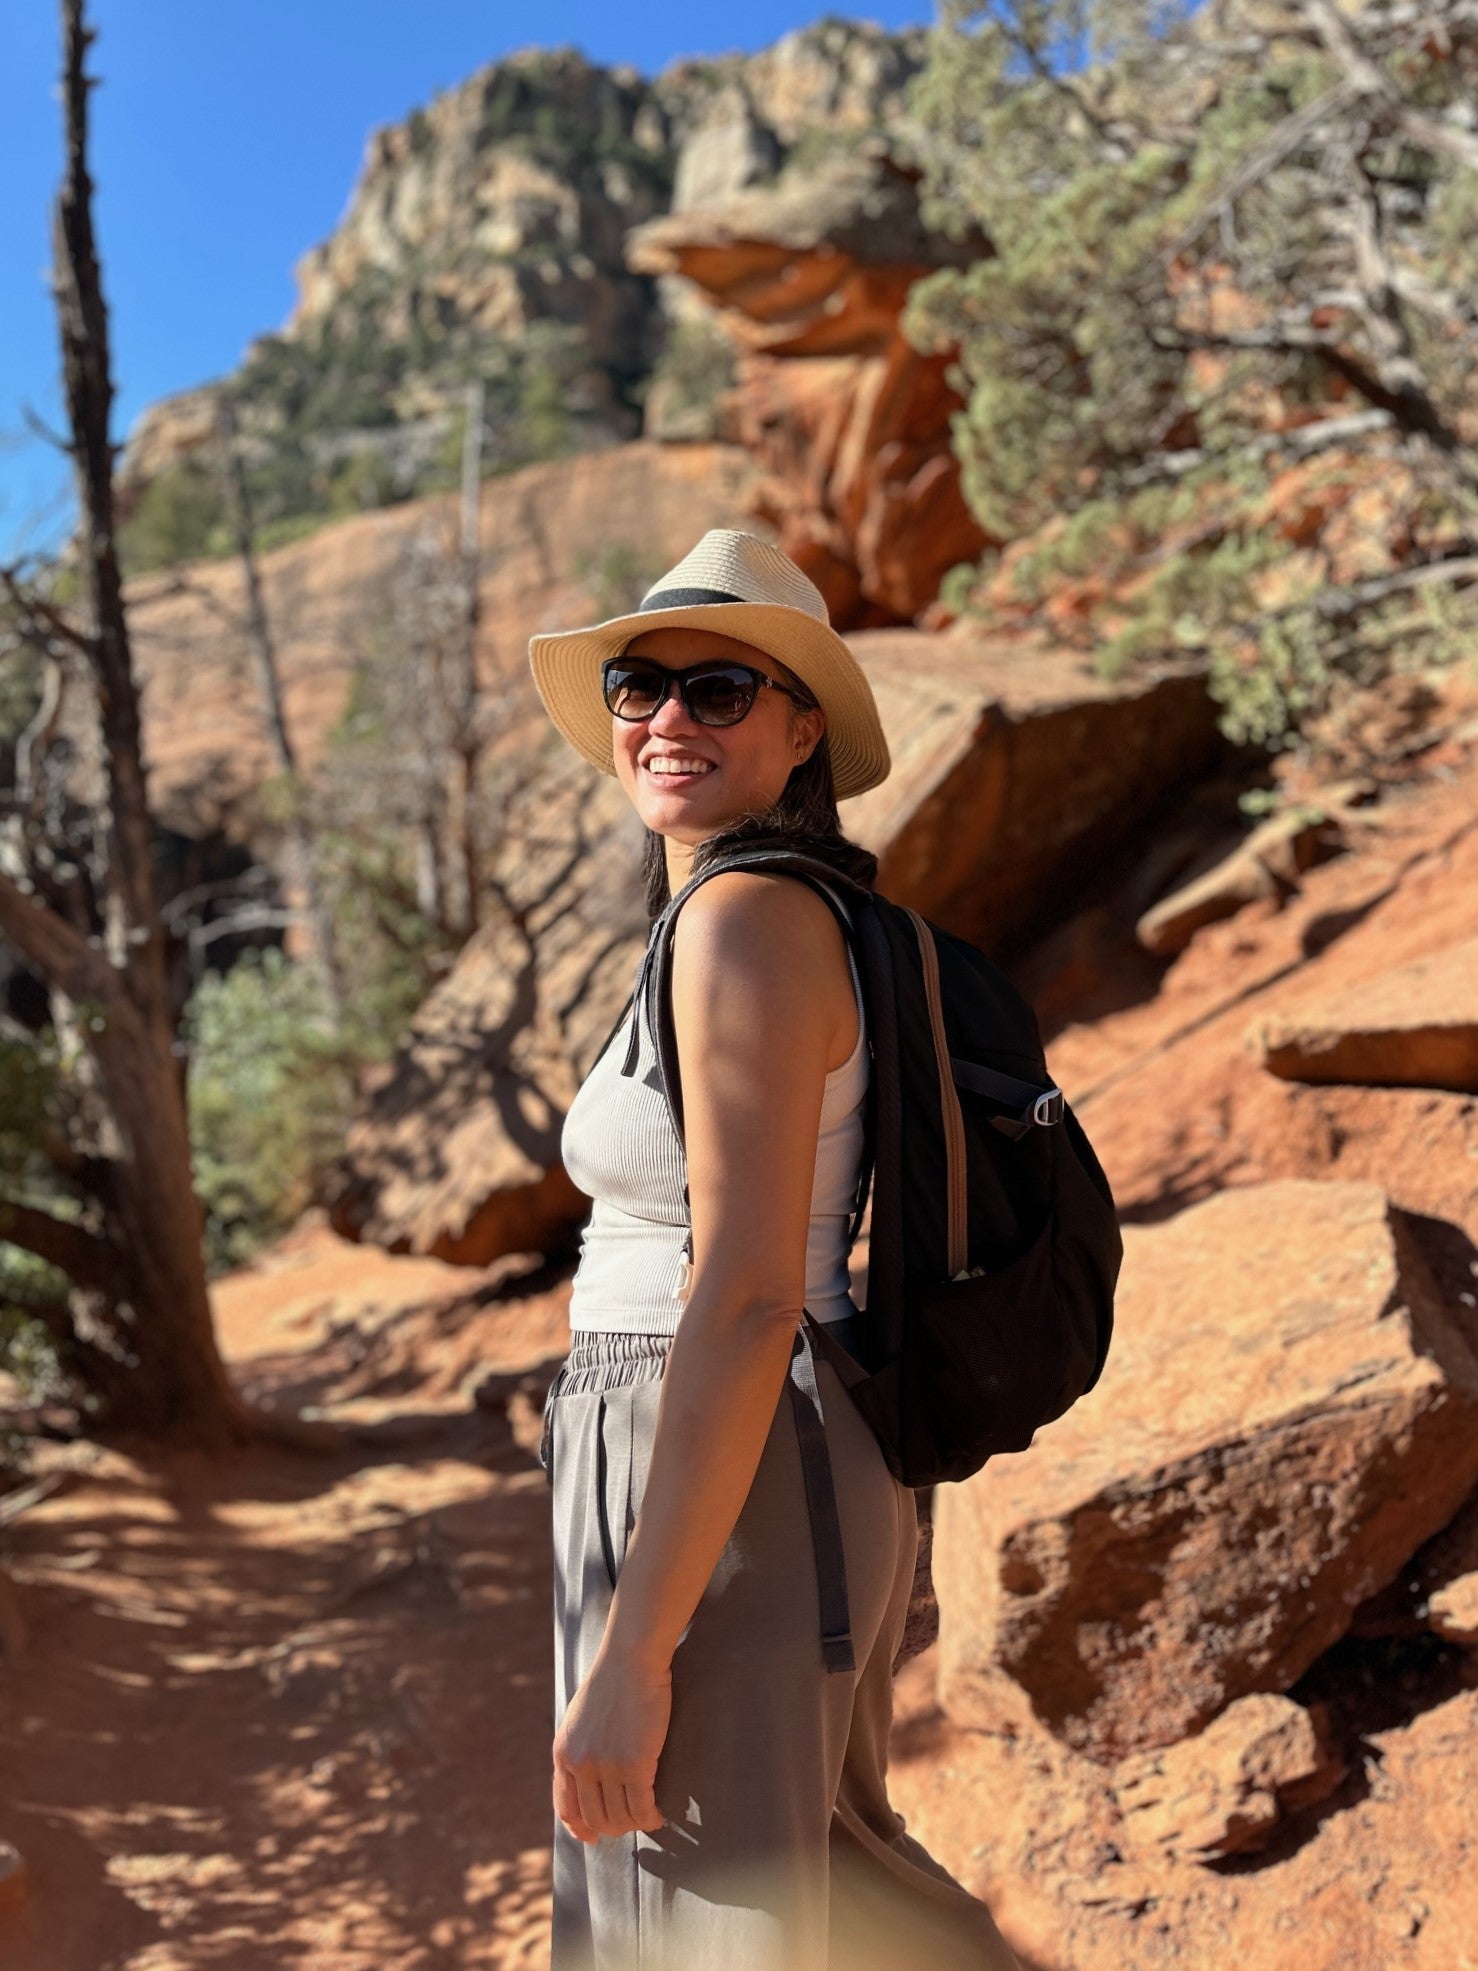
(1287, 1412)
(1416, 1027)
(849, 423)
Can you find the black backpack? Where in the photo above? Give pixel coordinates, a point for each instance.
(994, 1246)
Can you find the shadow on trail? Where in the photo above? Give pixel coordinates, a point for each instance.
(284, 1708)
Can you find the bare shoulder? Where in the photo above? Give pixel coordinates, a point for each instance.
(772, 929)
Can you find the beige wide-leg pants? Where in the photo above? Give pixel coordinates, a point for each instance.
(779, 1850)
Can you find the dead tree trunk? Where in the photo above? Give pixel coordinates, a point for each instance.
(465, 740)
(141, 1304)
(300, 851)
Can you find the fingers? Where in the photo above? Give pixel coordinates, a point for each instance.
(641, 1806)
(567, 1806)
(592, 1804)
(595, 1805)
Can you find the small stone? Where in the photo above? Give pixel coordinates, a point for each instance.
(1453, 1610)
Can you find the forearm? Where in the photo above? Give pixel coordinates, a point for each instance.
(723, 1378)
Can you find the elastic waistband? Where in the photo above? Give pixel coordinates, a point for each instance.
(615, 1358)
(605, 1358)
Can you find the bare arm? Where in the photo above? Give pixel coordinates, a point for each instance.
(753, 1015)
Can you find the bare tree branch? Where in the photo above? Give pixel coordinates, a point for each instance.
(1367, 78)
(1280, 143)
(61, 954)
(86, 1260)
(37, 611)
(1412, 409)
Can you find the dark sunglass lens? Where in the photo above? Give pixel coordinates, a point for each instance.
(721, 697)
(632, 690)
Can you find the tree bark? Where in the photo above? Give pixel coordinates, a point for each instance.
(142, 1264)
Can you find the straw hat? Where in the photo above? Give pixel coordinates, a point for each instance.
(742, 587)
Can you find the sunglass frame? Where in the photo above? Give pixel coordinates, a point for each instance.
(679, 679)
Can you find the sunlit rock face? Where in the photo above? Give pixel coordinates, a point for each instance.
(847, 420)
(485, 235)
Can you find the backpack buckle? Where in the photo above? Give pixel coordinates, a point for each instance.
(1048, 1107)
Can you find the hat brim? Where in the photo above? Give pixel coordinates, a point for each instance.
(566, 667)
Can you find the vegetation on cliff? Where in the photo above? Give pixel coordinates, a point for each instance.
(1220, 366)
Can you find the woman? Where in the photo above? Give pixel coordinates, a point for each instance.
(719, 1786)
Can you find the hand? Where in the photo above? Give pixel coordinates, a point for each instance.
(607, 1747)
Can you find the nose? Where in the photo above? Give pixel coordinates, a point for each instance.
(671, 716)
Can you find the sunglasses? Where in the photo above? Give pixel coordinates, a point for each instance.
(715, 693)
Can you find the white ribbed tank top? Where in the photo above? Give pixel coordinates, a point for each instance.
(619, 1145)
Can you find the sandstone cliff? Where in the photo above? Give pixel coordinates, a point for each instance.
(485, 236)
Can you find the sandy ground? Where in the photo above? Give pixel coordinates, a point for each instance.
(296, 1709)
(285, 1709)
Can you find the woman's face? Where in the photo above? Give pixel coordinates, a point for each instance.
(745, 766)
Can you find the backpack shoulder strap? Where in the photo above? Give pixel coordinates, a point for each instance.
(654, 984)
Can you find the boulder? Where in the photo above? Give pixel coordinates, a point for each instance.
(1267, 862)
(1413, 1027)
(1016, 770)
(1287, 1412)
(1225, 1790)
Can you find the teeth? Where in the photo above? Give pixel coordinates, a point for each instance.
(665, 765)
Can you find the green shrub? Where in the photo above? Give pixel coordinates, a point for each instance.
(180, 516)
(696, 366)
(270, 1093)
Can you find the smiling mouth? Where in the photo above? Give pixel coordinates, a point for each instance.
(676, 776)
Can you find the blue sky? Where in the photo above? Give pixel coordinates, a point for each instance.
(226, 138)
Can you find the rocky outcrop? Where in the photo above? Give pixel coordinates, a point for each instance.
(485, 236)
(1224, 1791)
(1017, 770)
(836, 78)
(1414, 1027)
(859, 480)
(1269, 1443)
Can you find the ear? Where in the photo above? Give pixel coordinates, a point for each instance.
(806, 735)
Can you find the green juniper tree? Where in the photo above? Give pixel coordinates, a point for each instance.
(1226, 244)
